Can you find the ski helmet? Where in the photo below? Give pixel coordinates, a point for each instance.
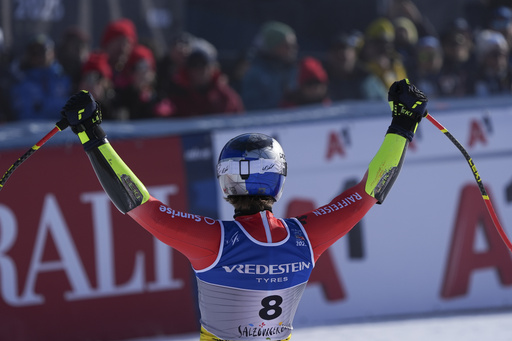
(252, 164)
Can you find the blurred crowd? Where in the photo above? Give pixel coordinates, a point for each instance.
(469, 57)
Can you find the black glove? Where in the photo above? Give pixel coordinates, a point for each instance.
(408, 105)
(83, 114)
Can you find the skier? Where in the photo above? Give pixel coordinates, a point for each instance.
(251, 271)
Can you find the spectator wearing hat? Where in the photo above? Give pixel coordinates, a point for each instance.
(273, 70)
(406, 38)
(140, 99)
(458, 59)
(494, 75)
(40, 86)
(200, 88)
(118, 40)
(426, 72)
(343, 68)
(381, 59)
(96, 77)
(501, 21)
(313, 85)
(173, 60)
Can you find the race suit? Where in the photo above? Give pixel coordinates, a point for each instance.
(251, 271)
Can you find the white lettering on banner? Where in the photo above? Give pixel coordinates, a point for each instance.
(52, 224)
(163, 192)
(338, 205)
(163, 269)
(105, 269)
(104, 251)
(8, 272)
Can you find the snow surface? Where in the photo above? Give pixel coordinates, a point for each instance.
(480, 326)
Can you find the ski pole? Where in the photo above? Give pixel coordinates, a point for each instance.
(478, 179)
(59, 126)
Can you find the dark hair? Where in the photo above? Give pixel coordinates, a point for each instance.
(250, 204)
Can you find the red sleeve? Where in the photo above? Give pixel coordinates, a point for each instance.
(328, 223)
(195, 236)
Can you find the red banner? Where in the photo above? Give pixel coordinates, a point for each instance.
(72, 267)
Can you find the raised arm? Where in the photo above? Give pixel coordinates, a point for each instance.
(328, 223)
(408, 106)
(198, 238)
(118, 181)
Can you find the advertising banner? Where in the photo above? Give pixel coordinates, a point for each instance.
(72, 267)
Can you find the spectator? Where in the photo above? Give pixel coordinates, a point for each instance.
(458, 63)
(494, 74)
(406, 37)
(40, 86)
(173, 60)
(313, 85)
(381, 59)
(427, 69)
(72, 51)
(501, 21)
(346, 76)
(200, 87)
(139, 99)
(118, 40)
(273, 70)
(96, 77)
